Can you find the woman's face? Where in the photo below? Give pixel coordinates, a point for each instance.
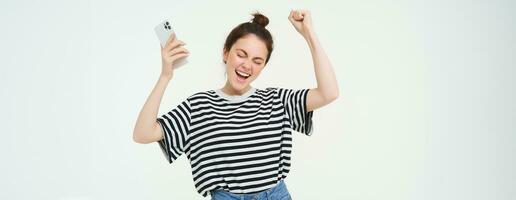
(244, 61)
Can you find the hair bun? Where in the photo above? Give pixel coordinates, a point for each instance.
(260, 19)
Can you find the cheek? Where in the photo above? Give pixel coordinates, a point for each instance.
(230, 71)
(236, 61)
(259, 69)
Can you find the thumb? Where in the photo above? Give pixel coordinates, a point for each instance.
(298, 15)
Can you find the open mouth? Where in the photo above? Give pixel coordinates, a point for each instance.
(242, 75)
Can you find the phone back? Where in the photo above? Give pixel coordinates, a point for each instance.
(163, 31)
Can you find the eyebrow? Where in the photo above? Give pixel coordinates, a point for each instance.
(254, 57)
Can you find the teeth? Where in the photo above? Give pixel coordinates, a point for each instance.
(243, 74)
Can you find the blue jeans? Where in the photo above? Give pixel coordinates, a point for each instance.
(278, 192)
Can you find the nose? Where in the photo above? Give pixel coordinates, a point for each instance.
(247, 65)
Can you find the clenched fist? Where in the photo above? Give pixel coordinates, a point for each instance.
(302, 21)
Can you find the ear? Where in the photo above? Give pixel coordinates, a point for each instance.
(224, 55)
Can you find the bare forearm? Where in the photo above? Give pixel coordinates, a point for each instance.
(326, 80)
(146, 121)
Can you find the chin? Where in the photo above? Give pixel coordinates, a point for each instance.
(238, 86)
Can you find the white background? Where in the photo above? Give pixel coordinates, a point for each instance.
(426, 109)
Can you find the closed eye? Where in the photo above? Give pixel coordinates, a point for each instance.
(242, 56)
(245, 55)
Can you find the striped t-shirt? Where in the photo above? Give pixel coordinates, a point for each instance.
(241, 144)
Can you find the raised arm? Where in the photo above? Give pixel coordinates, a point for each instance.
(327, 89)
(147, 129)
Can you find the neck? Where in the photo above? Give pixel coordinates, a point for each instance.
(228, 89)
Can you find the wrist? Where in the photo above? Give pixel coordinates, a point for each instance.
(311, 38)
(309, 32)
(165, 77)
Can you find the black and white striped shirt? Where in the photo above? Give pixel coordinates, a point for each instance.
(241, 144)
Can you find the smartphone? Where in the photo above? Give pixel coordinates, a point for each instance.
(163, 31)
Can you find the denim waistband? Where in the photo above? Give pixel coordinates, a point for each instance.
(279, 191)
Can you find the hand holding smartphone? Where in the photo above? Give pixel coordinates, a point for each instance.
(164, 30)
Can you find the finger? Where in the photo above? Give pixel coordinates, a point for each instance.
(306, 13)
(174, 44)
(178, 56)
(298, 15)
(178, 50)
(294, 15)
(291, 16)
(171, 38)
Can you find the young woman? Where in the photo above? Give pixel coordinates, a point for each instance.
(238, 138)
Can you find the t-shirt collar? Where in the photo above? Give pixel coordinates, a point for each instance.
(236, 98)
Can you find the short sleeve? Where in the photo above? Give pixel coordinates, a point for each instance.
(296, 110)
(175, 126)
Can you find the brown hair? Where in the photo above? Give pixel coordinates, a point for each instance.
(256, 27)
